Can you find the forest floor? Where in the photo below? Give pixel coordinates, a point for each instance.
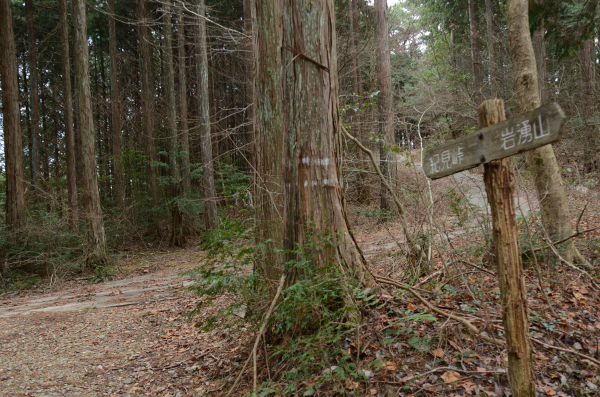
(132, 336)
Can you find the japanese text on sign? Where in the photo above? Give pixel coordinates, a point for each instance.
(520, 133)
(445, 160)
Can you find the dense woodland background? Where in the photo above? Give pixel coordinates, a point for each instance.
(445, 59)
(131, 126)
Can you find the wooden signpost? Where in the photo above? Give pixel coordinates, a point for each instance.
(492, 146)
(507, 138)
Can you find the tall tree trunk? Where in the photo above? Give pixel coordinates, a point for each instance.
(363, 187)
(476, 52)
(93, 210)
(295, 59)
(183, 105)
(542, 161)
(35, 122)
(586, 84)
(68, 109)
(177, 238)
(389, 165)
(249, 152)
(13, 150)
(208, 179)
(116, 123)
(539, 47)
(489, 18)
(268, 136)
(147, 105)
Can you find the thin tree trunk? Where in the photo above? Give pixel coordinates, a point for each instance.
(34, 91)
(476, 52)
(539, 47)
(116, 123)
(249, 152)
(586, 84)
(183, 105)
(363, 188)
(13, 150)
(542, 161)
(177, 238)
(208, 179)
(491, 44)
(68, 109)
(499, 185)
(389, 165)
(93, 210)
(147, 105)
(104, 133)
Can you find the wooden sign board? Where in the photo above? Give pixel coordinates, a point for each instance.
(524, 132)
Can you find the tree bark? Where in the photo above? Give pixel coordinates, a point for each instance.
(68, 109)
(296, 77)
(389, 165)
(489, 18)
(476, 52)
(35, 100)
(268, 135)
(13, 150)
(183, 105)
(115, 100)
(499, 184)
(542, 161)
(147, 104)
(177, 238)
(208, 179)
(93, 209)
(586, 83)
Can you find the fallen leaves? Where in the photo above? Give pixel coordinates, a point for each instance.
(389, 366)
(439, 353)
(450, 377)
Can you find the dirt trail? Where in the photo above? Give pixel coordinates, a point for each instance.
(124, 337)
(132, 291)
(466, 184)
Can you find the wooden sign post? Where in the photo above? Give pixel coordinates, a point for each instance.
(492, 146)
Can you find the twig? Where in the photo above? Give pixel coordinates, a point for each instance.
(580, 216)
(401, 210)
(461, 320)
(84, 327)
(445, 369)
(566, 351)
(564, 239)
(426, 279)
(572, 266)
(477, 267)
(257, 341)
(539, 273)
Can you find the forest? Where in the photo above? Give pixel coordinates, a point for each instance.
(300, 197)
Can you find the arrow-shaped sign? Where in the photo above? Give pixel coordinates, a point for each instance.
(524, 132)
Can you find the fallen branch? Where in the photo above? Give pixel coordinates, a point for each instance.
(533, 250)
(572, 266)
(474, 328)
(461, 320)
(404, 380)
(477, 267)
(257, 341)
(591, 359)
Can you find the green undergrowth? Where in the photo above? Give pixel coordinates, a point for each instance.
(318, 335)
